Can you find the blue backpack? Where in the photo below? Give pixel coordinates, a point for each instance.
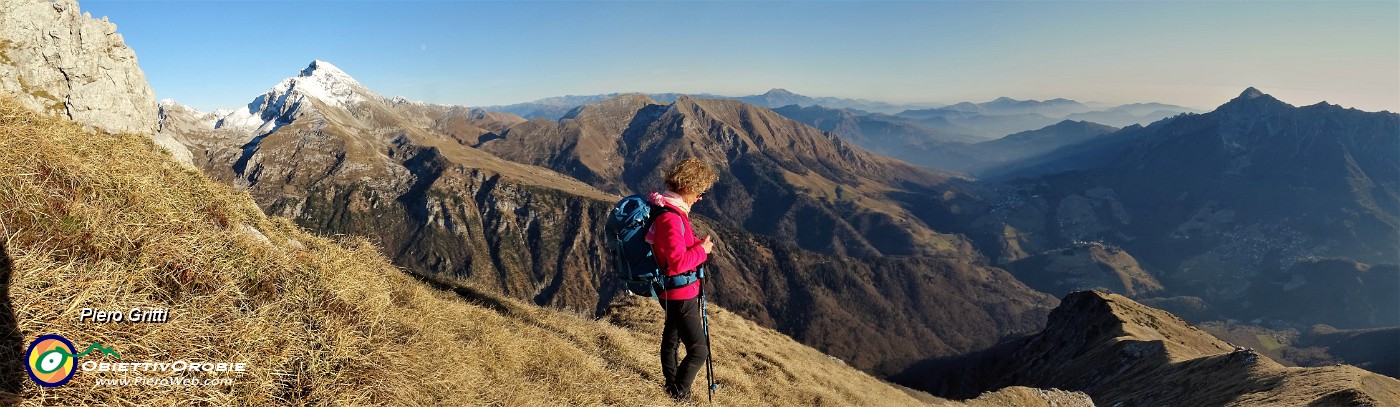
(632, 256)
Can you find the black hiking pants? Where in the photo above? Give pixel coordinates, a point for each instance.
(683, 324)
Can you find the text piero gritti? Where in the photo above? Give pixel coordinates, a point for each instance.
(135, 315)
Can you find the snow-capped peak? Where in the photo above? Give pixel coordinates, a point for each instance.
(284, 102)
(323, 68)
(325, 82)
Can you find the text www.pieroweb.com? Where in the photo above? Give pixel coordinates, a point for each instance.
(181, 376)
(165, 381)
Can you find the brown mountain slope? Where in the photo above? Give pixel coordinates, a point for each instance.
(467, 125)
(778, 177)
(1123, 353)
(434, 205)
(877, 314)
(584, 143)
(437, 206)
(111, 221)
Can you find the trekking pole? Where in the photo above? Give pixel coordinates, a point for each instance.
(709, 356)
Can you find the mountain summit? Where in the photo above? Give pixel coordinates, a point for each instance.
(1251, 93)
(779, 92)
(285, 101)
(324, 81)
(1254, 102)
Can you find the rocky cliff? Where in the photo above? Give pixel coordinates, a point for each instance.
(55, 59)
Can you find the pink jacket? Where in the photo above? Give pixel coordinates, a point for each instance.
(677, 249)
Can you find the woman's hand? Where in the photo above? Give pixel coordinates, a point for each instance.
(707, 245)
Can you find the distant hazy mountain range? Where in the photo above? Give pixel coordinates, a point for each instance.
(966, 120)
(556, 107)
(942, 149)
(1005, 116)
(1264, 210)
(944, 137)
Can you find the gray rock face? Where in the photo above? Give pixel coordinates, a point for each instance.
(55, 59)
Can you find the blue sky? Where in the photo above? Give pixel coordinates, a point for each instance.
(1199, 54)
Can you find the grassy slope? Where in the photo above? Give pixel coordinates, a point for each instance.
(110, 222)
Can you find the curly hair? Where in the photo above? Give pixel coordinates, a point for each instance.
(690, 176)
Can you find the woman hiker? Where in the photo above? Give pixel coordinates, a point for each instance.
(679, 251)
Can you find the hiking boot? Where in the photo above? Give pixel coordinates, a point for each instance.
(678, 395)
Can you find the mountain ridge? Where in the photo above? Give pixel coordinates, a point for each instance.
(1123, 353)
(553, 108)
(729, 134)
(446, 205)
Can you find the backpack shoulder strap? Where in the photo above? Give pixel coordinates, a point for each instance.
(657, 210)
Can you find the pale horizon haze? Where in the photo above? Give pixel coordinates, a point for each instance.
(210, 54)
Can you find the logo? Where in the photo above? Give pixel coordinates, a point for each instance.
(52, 362)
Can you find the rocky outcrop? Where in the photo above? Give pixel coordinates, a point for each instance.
(57, 60)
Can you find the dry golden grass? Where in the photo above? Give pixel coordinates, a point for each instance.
(111, 222)
(757, 366)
